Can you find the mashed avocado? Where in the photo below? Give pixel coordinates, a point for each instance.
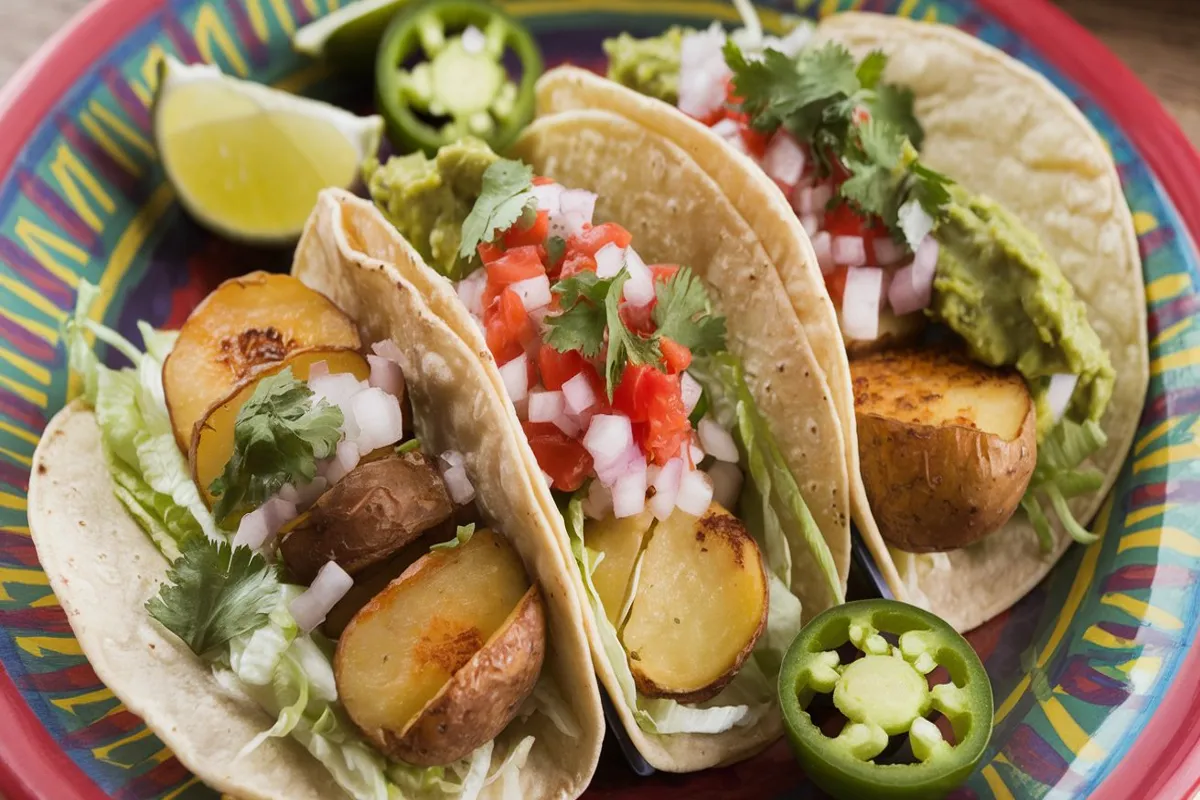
(427, 199)
(648, 66)
(998, 289)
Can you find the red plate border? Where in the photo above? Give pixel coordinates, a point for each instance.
(1163, 763)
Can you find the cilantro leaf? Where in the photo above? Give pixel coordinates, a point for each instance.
(871, 68)
(411, 446)
(623, 344)
(278, 436)
(215, 592)
(506, 195)
(461, 537)
(893, 106)
(584, 285)
(556, 246)
(684, 315)
(581, 326)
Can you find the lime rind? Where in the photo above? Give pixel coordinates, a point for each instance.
(313, 38)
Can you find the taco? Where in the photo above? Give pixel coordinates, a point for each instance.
(689, 454)
(344, 586)
(969, 227)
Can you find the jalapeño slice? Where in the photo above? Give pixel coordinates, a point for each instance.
(440, 74)
(884, 697)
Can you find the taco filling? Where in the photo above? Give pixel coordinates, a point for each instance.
(679, 508)
(942, 295)
(321, 563)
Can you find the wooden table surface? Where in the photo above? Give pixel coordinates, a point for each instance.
(1156, 38)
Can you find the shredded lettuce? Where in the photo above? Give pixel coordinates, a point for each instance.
(1058, 476)
(778, 508)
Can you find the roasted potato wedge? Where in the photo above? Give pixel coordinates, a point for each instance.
(246, 324)
(370, 582)
(947, 446)
(367, 516)
(699, 606)
(620, 540)
(439, 662)
(894, 332)
(212, 439)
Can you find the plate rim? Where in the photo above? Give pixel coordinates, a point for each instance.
(1149, 770)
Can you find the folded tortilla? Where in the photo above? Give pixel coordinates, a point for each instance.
(103, 568)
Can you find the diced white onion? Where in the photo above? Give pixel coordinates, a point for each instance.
(598, 503)
(727, 483)
(451, 458)
(631, 459)
(691, 390)
(567, 424)
(666, 488)
(609, 260)
(379, 419)
(811, 224)
(515, 375)
(822, 244)
(473, 40)
(545, 406)
(629, 492)
(702, 73)
(695, 492)
(305, 494)
(925, 261)
(259, 526)
(849, 251)
(534, 292)
(458, 485)
(904, 296)
(314, 603)
(575, 209)
(386, 348)
(385, 375)
(887, 252)
(607, 437)
(784, 160)
(717, 441)
(915, 223)
(470, 291)
(548, 196)
(339, 390)
(727, 129)
(695, 452)
(578, 394)
(318, 370)
(1062, 386)
(344, 459)
(639, 289)
(861, 302)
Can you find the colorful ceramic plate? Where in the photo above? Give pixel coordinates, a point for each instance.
(1097, 680)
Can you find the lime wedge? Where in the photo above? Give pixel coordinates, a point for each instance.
(247, 160)
(348, 38)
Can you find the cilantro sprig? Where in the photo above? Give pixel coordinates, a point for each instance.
(215, 592)
(853, 122)
(278, 436)
(592, 310)
(506, 196)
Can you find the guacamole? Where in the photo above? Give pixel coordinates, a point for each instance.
(427, 199)
(648, 66)
(998, 289)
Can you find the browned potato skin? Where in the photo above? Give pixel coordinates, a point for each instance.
(937, 485)
(482, 697)
(894, 332)
(378, 508)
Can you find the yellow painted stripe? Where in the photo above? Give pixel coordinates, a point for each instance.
(1069, 732)
(1170, 538)
(1171, 454)
(300, 80)
(1149, 512)
(906, 8)
(1170, 333)
(20, 433)
(49, 601)
(772, 20)
(108, 144)
(31, 368)
(996, 783)
(828, 7)
(1144, 222)
(1182, 359)
(12, 501)
(42, 331)
(35, 396)
(37, 645)
(1110, 641)
(105, 752)
(1167, 286)
(1142, 611)
(1157, 432)
(1141, 670)
(24, 576)
(19, 530)
(35, 299)
(1013, 698)
(192, 781)
(931, 15)
(72, 703)
(19, 458)
(127, 132)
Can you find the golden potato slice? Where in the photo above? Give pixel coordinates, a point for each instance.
(947, 446)
(245, 324)
(379, 507)
(212, 440)
(370, 582)
(441, 660)
(699, 606)
(620, 540)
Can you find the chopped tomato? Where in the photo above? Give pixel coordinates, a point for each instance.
(590, 240)
(508, 327)
(534, 235)
(638, 319)
(843, 220)
(756, 142)
(654, 403)
(835, 283)
(558, 368)
(675, 356)
(542, 180)
(517, 264)
(576, 263)
(562, 458)
(489, 252)
(663, 272)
